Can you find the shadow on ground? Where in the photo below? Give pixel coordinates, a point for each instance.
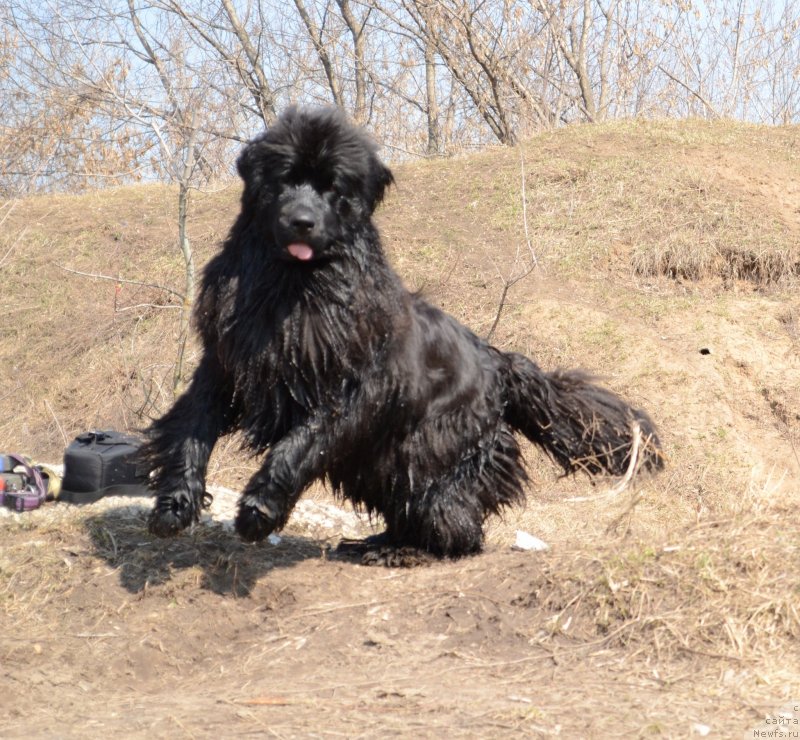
(209, 554)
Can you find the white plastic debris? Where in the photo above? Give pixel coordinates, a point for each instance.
(527, 541)
(273, 539)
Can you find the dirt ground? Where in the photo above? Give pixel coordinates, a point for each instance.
(668, 262)
(205, 636)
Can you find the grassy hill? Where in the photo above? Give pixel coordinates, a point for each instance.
(654, 242)
(667, 262)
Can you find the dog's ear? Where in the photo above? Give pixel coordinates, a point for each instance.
(246, 166)
(382, 178)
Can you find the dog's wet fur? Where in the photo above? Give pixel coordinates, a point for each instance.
(313, 348)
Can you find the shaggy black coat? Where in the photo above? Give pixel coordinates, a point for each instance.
(332, 369)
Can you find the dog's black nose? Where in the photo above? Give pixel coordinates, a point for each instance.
(302, 223)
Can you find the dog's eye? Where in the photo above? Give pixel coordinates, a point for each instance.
(344, 205)
(337, 194)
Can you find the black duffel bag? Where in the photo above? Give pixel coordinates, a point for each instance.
(98, 464)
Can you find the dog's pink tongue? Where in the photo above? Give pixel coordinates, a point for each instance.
(300, 251)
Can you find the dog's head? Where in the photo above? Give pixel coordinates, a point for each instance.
(310, 181)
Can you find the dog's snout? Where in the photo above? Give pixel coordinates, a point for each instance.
(301, 212)
(302, 222)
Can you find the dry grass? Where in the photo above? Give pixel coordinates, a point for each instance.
(682, 258)
(725, 589)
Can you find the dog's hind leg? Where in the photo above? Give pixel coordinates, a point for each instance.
(178, 448)
(444, 523)
(451, 530)
(445, 518)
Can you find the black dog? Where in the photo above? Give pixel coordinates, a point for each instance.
(313, 347)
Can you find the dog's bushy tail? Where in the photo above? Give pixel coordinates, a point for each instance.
(581, 425)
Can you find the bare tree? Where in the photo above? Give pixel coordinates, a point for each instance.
(175, 126)
(56, 132)
(525, 260)
(356, 28)
(255, 78)
(582, 31)
(432, 103)
(447, 28)
(316, 34)
(84, 103)
(162, 107)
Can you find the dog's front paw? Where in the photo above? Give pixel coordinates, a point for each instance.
(255, 519)
(172, 513)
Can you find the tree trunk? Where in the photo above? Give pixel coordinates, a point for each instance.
(434, 136)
